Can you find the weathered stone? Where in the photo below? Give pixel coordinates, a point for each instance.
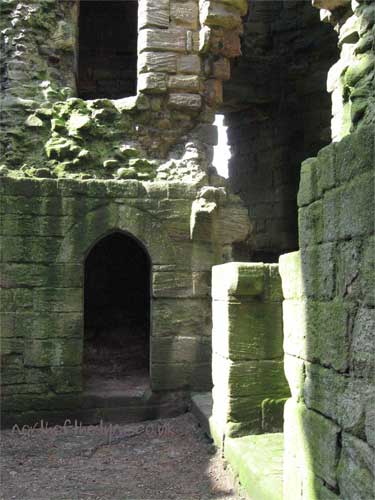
(174, 376)
(257, 461)
(56, 352)
(362, 351)
(152, 14)
(312, 442)
(291, 273)
(180, 349)
(219, 15)
(185, 83)
(185, 14)
(185, 101)
(172, 284)
(181, 317)
(167, 40)
(244, 331)
(238, 280)
(294, 369)
(153, 83)
(255, 380)
(188, 64)
(356, 468)
(272, 415)
(341, 398)
(317, 331)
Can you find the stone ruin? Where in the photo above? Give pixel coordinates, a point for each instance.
(113, 217)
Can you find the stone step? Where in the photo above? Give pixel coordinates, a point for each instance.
(257, 461)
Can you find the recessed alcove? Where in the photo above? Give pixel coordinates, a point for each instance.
(107, 61)
(117, 315)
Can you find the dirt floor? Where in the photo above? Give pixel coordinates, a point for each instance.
(163, 459)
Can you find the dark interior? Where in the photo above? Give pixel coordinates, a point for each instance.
(117, 309)
(107, 65)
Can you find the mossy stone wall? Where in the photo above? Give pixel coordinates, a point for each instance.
(247, 337)
(328, 326)
(48, 227)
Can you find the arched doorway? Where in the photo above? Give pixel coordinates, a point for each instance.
(117, 314)
(107, 62)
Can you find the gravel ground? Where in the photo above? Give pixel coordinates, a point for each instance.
(163, 459)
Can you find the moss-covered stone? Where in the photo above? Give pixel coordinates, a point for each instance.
(258, 463)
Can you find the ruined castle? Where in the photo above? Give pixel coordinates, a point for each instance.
(136, 280)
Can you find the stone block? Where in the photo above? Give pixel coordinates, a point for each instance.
(312, 448)
(273, 415)
(16, 299)
(318, 271)
(236, 416)
(362, 352)
(213, 92)
(348, 278)
(58, 300)
(182, 317)
(326, 169)
(159, 62)
(41, 275)
(238, 279)
(189, 64)
(185, 14)
(245, 331)
(181, 284)
(170, 40)
(152, 83)
(184, 101)
(357, 201)
(343, 399)
(294, 369)
(307, 189)
(184, 83)
(11, 345)
(356, 468)
(180, 349)
(311, 224)
(219, 15)
(317, 331)
(153, 14)
(29, 249)
(65, 379)
(221, 69)
(54, 352)
(367, 272)
(258, 463)
(290, 268)
(174, 376)
(255, 380)
(50, 325)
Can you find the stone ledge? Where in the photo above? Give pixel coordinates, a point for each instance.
(258, 463)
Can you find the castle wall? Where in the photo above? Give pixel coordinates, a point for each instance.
(329, 287)
(48, 227)
(278, 113)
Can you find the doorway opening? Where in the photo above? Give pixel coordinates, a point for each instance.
(107, 63)
(117, 315)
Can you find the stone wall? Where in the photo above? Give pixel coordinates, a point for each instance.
(278, 113)
(48, 226)
(329, 285)
(183, 56)
(247, 336)
(328, 326)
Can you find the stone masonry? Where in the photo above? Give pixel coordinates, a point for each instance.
(75, 170)
(247, 365)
